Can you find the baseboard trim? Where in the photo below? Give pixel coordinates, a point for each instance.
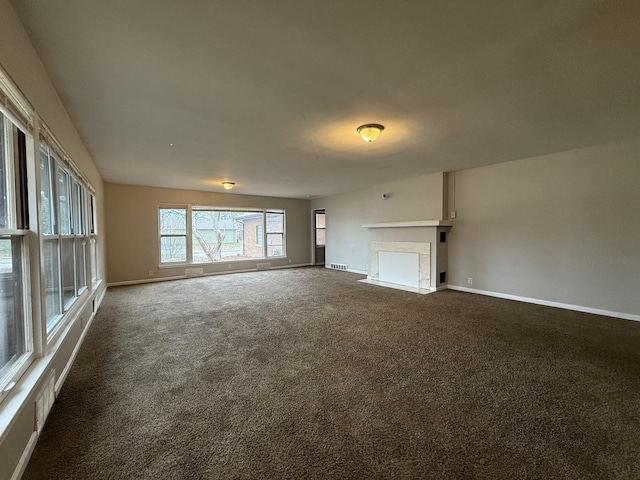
(547, 303)
(208, 274)
(26, 455)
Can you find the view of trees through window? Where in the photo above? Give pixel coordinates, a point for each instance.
(219, 235)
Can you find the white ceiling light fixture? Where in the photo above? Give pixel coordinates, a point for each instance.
(228, 185)
(370, 131)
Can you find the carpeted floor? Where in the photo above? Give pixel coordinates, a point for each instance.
(306, 373)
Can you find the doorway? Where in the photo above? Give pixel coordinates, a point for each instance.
(319, 236)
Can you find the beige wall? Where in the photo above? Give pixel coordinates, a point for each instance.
(132, 229)
(561, 228)
(418, 198)
(19, 59)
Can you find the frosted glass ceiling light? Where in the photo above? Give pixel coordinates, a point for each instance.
(370, 131)
(228, 185)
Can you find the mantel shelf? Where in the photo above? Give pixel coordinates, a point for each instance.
(412, 223)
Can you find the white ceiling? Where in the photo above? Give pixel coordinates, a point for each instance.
(268, 93)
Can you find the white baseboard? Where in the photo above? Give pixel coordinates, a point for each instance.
(208, 274)
(26, 455)
(547, 303)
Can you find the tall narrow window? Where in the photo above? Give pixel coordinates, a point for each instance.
(173, 234)
(51, 240)
(320, 228)
(16, 345)
(275, 234)
(93, 254)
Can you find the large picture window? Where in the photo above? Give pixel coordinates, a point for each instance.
(200, 234)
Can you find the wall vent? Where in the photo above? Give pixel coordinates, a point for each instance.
(193, 272)
(263, 266)
(44, 401)
(338, 266)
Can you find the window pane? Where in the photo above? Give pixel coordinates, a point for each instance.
(173, 249)
(45, 193)
(4, 177)
(68, 271)
(320, 236)
(81, 269)
(53, 307)
(64, 203)
(220, 235)
(275, 234)
(173, 221)
(94, 259)
(320, 219)
(259, 235)
(13, 337)
(78, 208)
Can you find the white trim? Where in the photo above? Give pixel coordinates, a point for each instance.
(26, 455)
(421, 291)
(207, 274)
(412, 223)
(537, 301)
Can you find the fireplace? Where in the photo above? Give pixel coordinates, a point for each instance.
(407, 255)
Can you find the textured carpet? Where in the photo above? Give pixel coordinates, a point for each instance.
(306, 373)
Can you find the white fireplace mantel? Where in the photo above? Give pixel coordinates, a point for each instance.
(411, 223)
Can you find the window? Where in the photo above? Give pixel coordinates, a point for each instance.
(93, 254)
(225, 235)
(275, 234)
(173, 235)
(16, 345)
(201, 234)
(320, 228)
(64, 228)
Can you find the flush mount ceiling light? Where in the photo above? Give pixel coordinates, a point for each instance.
(228, 185)
(370, 131)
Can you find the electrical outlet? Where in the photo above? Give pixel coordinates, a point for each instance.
(151, 273)
(454, 214)
(470, 281)
(291, 260)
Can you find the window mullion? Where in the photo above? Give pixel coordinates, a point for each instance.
(189, 239)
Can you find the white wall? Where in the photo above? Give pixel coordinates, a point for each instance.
(562, 228)
(418, 198)
(19, 59)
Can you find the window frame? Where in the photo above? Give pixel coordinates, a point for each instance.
(74, 235)
(16, 230)
(190, 208)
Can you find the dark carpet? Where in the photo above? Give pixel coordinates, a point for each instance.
(306, 373)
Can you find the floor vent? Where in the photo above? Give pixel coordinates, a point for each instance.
(264, 266)
(44, 401)
(193, 272)
(338, 266)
